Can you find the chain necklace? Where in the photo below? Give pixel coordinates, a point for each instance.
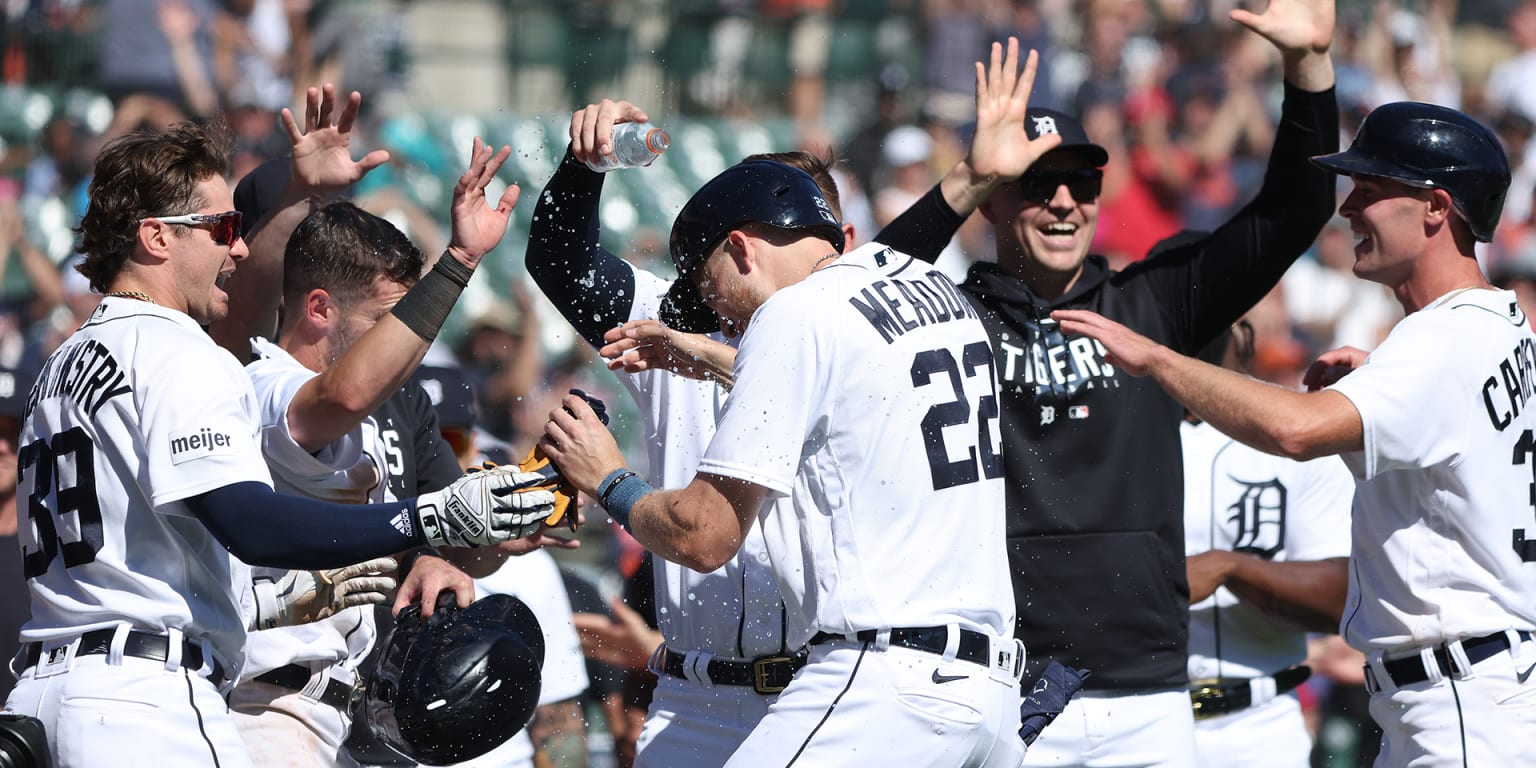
(823, 260)
(132, 295)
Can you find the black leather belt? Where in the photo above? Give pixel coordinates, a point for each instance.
(296, 678)
(139, 645)
(1225, 695)
(1411, 670)
(974, 646)
(765, 674)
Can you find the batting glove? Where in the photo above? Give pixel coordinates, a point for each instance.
(485, 508)
(301, 597)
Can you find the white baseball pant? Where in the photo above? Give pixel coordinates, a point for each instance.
(1103, 729)
(1270, 735)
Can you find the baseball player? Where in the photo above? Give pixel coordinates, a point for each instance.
(1268, 542)
(1434, 428)
(725, 656)
(141, 464)
(1095, 488)
(837, 417)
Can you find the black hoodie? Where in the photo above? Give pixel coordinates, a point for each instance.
(1093, 462)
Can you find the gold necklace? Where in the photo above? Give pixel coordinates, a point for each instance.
(132, 295)
(823, 260)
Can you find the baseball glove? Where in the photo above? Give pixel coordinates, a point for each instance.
(565, 493)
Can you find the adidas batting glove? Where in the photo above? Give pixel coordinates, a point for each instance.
(485, 508)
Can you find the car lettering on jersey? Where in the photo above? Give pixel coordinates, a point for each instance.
(86, 372)
(1516, 376)
(199, 443)
(894, 306)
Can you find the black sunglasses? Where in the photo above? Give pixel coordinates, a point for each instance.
(225, 227)
(1040, 186)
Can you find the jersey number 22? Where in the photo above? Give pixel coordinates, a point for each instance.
(976, 360)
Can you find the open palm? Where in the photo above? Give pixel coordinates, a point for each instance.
(1296, 26)
(1000, 147)
(322, 151)
(478, 227)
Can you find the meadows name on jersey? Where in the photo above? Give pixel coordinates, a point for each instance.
(86, 372)
(928, 300)
(1515, 370)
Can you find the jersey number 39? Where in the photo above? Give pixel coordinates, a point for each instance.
(981, 459)
(66, 471)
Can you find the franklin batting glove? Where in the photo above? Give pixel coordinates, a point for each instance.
(301, 597)
(485, 508)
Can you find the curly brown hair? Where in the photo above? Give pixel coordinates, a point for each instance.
(143, 174)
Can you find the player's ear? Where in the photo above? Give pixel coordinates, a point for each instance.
(850, 237)
(155, 238)
(1439, 210)
(739, 247)
(319, 307)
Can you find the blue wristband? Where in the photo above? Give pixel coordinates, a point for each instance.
(621, 489)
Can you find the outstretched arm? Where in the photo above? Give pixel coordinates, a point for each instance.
(1307, 593)
(593, 289)
(1302, 30)
(333, 403)
(1000, 152)
(1270, 418)
(701, 526)
(321, 165)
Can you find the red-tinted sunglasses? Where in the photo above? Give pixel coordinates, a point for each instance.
(1040, 186)
(225, 226)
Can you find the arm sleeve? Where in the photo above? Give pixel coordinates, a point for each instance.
(591, 287)
(924, 229)
(1208, 284)
(303, 534)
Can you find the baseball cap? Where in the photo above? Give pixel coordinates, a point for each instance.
(906, 145)
(452, 396)
(1040, 121)
(257, 192)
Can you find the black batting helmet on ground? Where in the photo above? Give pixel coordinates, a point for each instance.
(456, 686)
(760, 191)
(1432, 147)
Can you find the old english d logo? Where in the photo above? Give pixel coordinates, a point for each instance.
(1258, 517)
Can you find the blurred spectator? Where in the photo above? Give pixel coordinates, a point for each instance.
(1515, 131)
(364, 45)
(1512, 83)
(1347, 737)
(15, 607)
(503, 361)
(1518, 273)
(257, 43)
(30, 285)
(959, 34)
(156, 66)
(908, 163)
(1408, 55)
(1134, 213)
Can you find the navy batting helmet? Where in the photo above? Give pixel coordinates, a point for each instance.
(1432, 147)
(755, 191)
(456, 686)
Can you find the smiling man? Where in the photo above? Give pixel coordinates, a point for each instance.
(1092, 456)
(1435, 427)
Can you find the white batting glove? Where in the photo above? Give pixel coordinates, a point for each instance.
(301, 597)
(485, 508)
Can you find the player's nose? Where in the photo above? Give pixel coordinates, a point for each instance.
(238, 250)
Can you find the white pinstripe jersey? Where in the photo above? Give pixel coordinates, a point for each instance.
(134, 413)
(349, 470)
(865, 399)
(1444, 522)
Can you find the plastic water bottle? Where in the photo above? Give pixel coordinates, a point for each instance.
(635, 145)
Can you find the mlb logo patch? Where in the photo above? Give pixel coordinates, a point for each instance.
(1077, 412)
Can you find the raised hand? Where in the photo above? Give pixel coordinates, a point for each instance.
(592, 127)
(322, 161)
(485, 508)
(1294, 26)
(478, 227)
(1000, 147)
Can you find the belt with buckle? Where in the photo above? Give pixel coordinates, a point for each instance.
(139, 645)
(295, 677)
(1411, 669)
(975, 647)
(764, 674)
(1225, 695)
